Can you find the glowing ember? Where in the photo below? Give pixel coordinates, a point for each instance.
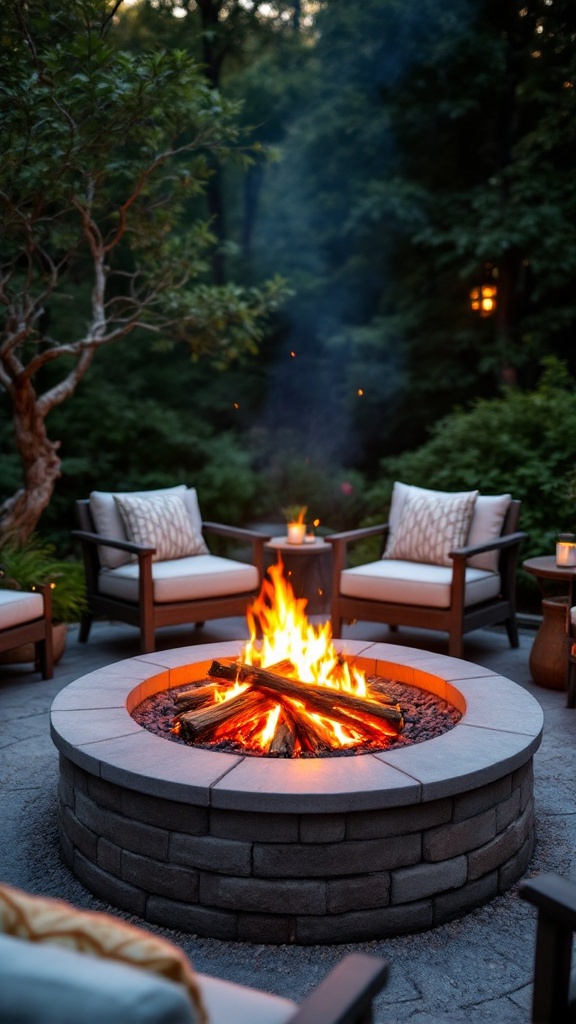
(289, 693)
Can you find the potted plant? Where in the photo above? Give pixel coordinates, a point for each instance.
(24, 566)
(295, 516)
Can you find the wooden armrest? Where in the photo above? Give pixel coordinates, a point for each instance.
(554, 896)
(507, 541)
(124, 545)
(348, 536)
(345, 996)
(237, 532)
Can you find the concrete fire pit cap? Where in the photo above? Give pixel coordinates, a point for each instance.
(500, 729)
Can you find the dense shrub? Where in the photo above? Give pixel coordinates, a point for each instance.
(523, 442)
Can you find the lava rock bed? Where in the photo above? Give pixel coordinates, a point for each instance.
(426, 716)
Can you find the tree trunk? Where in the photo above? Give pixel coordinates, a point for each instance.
(20, 513)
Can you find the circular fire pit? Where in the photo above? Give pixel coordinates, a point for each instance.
(309, 851)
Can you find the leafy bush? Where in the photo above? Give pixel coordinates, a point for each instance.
(523, 443)
(32, 563)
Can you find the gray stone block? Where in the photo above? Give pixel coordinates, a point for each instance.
(109, 857)
(467, 805)
(516, 866)
(363, 925)
(439, 844)
(254, 827)
(335, 859)
(129, 834)
(168, 814)
(212, 854)
(83, 838)
(363, 893)
(508, 811)
(154, 876)
(263, 896)
(322, 828)
(105, 794)
(491, 856)
(216, 924)
(66, 794)
(108, 888)
(523, 779)
(423, 880)
(473, 894)
(398, 821)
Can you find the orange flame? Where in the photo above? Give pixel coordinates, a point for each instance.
(287, 635)
(281, 633)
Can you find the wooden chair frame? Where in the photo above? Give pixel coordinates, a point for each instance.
(555, 899)
(37, 632)
(147, 614)
(457, 619)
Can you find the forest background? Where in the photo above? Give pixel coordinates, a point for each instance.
(396, 155)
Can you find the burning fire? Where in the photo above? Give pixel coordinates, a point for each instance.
(290, 692)
(287, 635)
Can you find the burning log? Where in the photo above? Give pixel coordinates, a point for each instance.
(322, 699)
(195, 724)
(191, 700)
(284, 739)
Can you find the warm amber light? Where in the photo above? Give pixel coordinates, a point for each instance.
(483, 299)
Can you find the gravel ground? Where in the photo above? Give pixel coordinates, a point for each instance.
(476, 969)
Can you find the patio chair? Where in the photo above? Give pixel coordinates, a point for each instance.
(60, 965)
(147, 563)
(26, 618)
(554, 993)
(448, 562)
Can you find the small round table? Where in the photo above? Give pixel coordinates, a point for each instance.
(308, 567)
(548, 658)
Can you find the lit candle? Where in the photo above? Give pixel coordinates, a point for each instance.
(296, 533)
(566, 550)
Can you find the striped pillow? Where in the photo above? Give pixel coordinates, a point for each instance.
(430, 526)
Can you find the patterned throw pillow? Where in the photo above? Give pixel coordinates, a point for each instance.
(58, 923)
(161, 521)
(430, 526)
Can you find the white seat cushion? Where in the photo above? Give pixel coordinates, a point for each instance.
(182, 579)
(227, 1003)
(401, 582)
(18, 606)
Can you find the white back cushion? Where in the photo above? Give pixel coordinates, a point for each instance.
(108, 521)
(487, 520)
(430, 524)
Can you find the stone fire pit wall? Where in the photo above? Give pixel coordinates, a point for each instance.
(325, 850)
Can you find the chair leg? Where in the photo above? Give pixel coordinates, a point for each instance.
(455, 645)
(512, 630)
(45, 657)
(85, 624)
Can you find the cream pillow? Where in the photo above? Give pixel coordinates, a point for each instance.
(56, 922)
(431, 524)
(160, 521)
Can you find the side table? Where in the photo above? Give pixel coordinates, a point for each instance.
(308, 567)
(549, 658)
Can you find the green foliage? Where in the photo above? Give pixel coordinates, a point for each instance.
(523, 443)
(33, 563)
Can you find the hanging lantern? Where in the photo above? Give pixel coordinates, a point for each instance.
(483, 296)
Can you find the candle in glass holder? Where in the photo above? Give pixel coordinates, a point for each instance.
(296, 532)
(566, 550)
